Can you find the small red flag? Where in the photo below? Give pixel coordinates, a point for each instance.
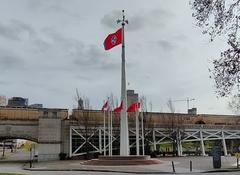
(105, 106)
(118, 109)
(113, 39)
(133, 107)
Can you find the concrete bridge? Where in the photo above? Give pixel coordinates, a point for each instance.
(39, 125)
(82, 132)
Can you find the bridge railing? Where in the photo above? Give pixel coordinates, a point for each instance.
(18, 113)
(169, 126)
(198, 126)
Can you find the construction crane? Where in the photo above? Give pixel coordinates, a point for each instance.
(188, 100)
(79, 100)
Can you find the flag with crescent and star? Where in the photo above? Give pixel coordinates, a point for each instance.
(113, 39)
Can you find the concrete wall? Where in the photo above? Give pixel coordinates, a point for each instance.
(65, 137)
(49, 139)
(96, 117)
(19, 129)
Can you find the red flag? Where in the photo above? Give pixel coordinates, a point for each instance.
(105, 106)
(133, 107)
(118, 109)
(113, 39)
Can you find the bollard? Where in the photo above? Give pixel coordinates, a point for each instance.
(237, 162)
(30, 158)
(173, 167)
(190, 166)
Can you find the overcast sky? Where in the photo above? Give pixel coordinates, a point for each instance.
(48, 48)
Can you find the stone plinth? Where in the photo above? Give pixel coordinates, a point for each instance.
(122, 161)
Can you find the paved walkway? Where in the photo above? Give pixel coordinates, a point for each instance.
(200, 164)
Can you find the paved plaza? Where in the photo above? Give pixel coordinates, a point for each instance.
(200, 165)
(17, 168)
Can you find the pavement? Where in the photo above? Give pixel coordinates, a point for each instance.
(18, 155)
(200, 165)
(182, 165)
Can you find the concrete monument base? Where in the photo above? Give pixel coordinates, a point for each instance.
(122, 161)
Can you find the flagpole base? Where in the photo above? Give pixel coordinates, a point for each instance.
(122, 161)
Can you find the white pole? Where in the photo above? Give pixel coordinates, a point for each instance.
(143, 149)
(137, 133)
(124, 138)
(109, 139)
(70, 143)
(224, 144)
(100, 141)
(202, 144)
(111, 133)
(104, 134)
(154, 141)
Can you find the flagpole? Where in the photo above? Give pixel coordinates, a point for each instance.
(143, 149)
(124, 138)
(104, 133)
(109, 131)
(137, 133)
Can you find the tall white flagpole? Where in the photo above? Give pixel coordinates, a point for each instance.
(137, 133)
(143, 149)
(124, 139)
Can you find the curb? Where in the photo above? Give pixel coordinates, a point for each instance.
(132, 172)
(96, 170)
(222, 170)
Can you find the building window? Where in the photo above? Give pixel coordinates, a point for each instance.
(54, 114)
(45, 114)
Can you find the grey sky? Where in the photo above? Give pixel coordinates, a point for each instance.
(50, 47)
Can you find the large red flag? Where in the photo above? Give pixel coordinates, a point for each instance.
(118, 109)
(133, 107)
(113, 39)
(105, 106)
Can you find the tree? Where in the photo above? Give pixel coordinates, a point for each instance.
(221, 18)
(175, 129)
(234, 104)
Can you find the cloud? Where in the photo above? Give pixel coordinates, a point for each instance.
(140, 20)
(15, 30)
(92, 56)
(9, 61)
(165, 45)
(181, 37)
(57, 6)
(55, 46)
(4, 82)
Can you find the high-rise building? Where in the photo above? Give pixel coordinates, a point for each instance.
(132, 97)
(3, 101)
(18, 102)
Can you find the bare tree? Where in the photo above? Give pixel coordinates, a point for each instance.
(170, 106)
(234, 104)
(216, 18)
(79, 100)
(143, 101)
(175, 129)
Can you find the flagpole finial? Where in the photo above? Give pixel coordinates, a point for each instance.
(123, 21)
